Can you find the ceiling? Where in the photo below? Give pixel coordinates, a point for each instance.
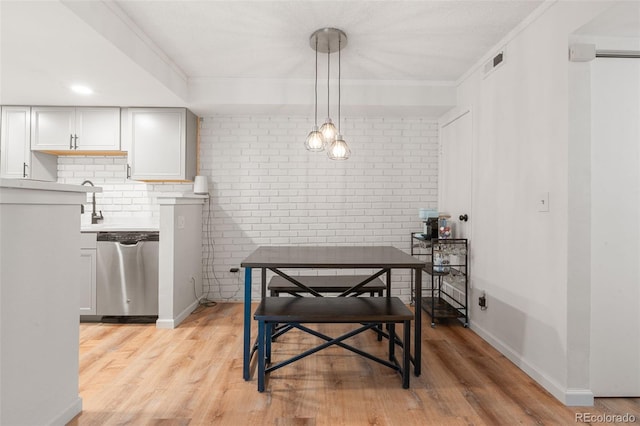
(621, 21)
(246, 56)
(419, 40)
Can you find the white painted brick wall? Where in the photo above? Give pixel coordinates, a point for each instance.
(267, 189)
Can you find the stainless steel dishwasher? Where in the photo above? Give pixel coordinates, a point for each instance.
(127, 273)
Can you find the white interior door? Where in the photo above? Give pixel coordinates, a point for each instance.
(615, 227)
(456, 172)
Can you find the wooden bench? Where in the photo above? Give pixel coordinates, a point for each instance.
(368, 312)
(325, 284)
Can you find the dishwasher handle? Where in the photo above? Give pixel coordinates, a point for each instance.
(128, 237)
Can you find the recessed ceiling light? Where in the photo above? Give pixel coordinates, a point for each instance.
(82, 90)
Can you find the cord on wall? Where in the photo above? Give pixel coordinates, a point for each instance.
(209, 271)
(203, 302)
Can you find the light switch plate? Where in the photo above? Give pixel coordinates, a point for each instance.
(543, 202)
(180, 222)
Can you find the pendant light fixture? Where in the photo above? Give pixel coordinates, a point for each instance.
(338, 149)
(315, 140)
(327, 40)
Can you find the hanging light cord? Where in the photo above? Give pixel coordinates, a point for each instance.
(316, 88)
(339, 77)
(328, 72)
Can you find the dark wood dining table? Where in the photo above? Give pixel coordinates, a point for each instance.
(383, 259)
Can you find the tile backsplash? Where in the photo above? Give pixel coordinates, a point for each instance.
(121, 199)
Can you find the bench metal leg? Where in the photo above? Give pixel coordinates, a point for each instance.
(406, 355)
(417, 337)
(265, 330)
(338, 341)
(261, 355)
(269, 332)
(392, 341)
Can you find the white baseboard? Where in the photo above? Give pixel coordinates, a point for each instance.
(578, 398)
(569, 397)
(171, 323)
(68, 414)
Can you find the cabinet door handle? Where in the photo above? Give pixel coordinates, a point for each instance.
(128, 171)
(71, 141)
(463, 218)
(75, 141)
(24, 170)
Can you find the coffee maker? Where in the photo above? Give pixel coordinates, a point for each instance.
(431, 227)
(430, 220)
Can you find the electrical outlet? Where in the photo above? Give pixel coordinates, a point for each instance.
(482, 301)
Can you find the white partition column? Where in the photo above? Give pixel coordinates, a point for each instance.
(39, 297)
(180, 258)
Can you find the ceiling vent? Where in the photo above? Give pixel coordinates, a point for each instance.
(493, 63)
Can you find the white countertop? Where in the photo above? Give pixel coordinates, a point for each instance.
(45, 186)
(118, 227)
(182, 198)
(142, 224)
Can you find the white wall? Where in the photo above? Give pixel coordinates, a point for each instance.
(521, 129)
(267, 189)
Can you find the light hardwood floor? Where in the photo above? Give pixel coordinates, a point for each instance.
(132, 374)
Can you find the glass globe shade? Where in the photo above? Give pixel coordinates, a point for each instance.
(328, 131)
(339, 150)
(315, 140)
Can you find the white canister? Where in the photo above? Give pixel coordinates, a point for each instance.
(200, 185)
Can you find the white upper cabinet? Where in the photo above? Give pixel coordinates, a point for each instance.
(161, 144)
(15, 142)
(75, 129)
(16, 159)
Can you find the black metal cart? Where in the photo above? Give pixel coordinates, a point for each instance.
(447, 265)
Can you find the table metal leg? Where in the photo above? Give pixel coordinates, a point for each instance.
(247, 325)
(388, 283)
(418, 323)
